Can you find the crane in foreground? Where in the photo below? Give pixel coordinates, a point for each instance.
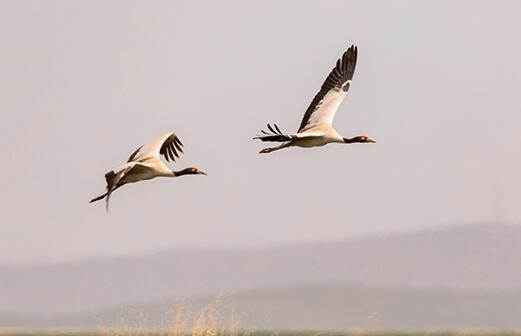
(145, 164)
(316, 126)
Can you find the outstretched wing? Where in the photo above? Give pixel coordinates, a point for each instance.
(168, 145)
(323, 107)
(274, 134)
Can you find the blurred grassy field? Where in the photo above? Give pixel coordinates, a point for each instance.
(260, 333)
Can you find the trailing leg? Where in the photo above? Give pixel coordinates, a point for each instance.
(272, 149)
(100, 197)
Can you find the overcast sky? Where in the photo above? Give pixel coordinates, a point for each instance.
(84, 83)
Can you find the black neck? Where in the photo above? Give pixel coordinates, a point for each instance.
(186, 171)
(352, 140)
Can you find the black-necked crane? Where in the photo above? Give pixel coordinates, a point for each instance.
(316, 126)
(145, 164)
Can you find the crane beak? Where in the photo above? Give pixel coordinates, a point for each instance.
(371, 141)
(201, 173)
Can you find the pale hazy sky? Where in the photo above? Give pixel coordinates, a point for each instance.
(84, 83)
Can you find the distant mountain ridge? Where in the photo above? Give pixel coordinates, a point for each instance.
(477, 258)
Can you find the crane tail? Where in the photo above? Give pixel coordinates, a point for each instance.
(107, 202)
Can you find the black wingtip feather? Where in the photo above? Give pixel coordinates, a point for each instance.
(178, 146)
(339, 75)
(171, 148)
(170, 152)
(173, 153)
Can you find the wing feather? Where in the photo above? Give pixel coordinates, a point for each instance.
(323, 107)
(168, 147)
(168, 153)
(278, 136)
(177, 144)
(172, 151)
(165, 145)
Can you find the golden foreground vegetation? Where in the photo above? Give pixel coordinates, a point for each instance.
(210, 321)
(265, 333)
